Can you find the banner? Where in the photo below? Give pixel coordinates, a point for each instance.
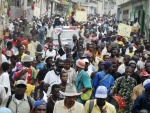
(124, 30)
(81, 16)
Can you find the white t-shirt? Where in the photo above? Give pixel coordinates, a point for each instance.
(2, 92)
(121, 69)
(4, 80)
(51, 78)
(4, 59)
(48, 53)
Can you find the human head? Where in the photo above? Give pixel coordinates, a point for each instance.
(39, 107)
(146, 85)
(106, 57)
(50, 46)
(63, 77)
(5, 66)
(86, 64)
(133, 65)
(27, 61)
(130, 49)
(101, 65)
(147, 67)
(108, 66)
(80, 64)
(126, 60)
(9, 45)
(144, 75)
(67, 63)
(74, 37)
(13, 59)
(128, 71)
(20, 87)
(59, 65)
(70, 94)
(21, 50)
(49, 61)
(101, 95)
(39, 58)
(55, 91)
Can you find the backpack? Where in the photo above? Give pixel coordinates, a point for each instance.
(28, 98)
(91, 105)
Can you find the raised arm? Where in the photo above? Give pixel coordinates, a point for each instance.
(59, 41)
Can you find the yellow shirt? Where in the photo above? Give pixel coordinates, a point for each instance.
(29, 90)
(109, 107)
(61, 108)
(137, 90)
(22, 57)
(130, 54)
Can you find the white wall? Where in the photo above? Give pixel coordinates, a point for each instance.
(129, 7)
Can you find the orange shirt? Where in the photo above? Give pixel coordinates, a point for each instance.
(25, 43)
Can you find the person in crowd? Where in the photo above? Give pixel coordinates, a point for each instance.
(135, 75)
(69, 103)
(4, 78)
(122, 67)
(99, 105)
(21, 52)
(39, 107)
(142, 101)
(100, 68)
(103, 78)
(47, 67)
(27, 61)
(8, 48)
(49, 52)
(86, 69)
(55, 75)
(3, 109)
(138, 90)
(147, 67)
(82, 81)
(42, 33)
(54, 97)
(22, 103)
(40, 63)
(69, 70)
(63, 84)
(123, 86)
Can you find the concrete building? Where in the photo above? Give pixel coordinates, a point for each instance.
(89, 5)
(106, 7)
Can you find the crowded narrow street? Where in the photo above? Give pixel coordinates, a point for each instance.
(74, 56)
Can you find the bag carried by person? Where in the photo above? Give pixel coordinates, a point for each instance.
(87, 95)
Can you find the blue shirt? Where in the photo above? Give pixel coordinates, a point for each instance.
(107, 82)
(141, 102)
(40, 66)
(82, 81)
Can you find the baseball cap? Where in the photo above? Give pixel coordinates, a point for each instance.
(144, 74)
(38, 103)
(146, 83)
(101, 92)
(21, 82)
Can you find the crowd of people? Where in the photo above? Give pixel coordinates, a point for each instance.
(87, 75)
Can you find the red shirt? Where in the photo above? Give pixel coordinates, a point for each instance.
(14, 43)
(20, 38)
(29, 76)
(5, 50)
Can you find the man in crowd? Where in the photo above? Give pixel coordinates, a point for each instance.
(69, 103)
(99, 105)
(19, 102)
